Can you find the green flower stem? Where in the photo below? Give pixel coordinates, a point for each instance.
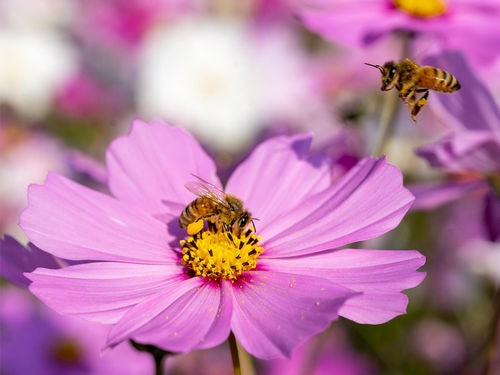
(491, 349)
(234, 354)
(159, 355)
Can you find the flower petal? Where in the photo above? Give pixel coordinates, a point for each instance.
(274, 312)
(91, 169)
(191, 315)
(380, 275)
(474, 150)
(73, 222)
(367, 202)
(104, 291)
(154, 162)
(346, 22)
(278, 171)
(429, 196)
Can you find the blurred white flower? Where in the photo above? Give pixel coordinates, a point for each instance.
(224, 79)
(201, 73)
(482, 258)
(34, 64)
(36, 14)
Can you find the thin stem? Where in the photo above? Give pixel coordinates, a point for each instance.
(487, 351)
(159, 362)
(159, 355)
(390, 108)
(492, 351)
(234, 354)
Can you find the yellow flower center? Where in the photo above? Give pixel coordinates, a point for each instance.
(219, 254)
(66, 351)
(421, 8)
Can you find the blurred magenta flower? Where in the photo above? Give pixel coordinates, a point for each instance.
(121, 24)
(35, 340)
(140, 270)
(471, 25)
(470, 152)
(18, 259)
(84, 95)
(325, 354)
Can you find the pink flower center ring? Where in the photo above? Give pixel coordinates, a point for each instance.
(219, 254)
(422, 8)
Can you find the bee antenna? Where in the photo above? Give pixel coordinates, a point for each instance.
(379, 67)
(253, 223)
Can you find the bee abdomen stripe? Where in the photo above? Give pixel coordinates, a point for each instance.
(448, 79)
(455, 84)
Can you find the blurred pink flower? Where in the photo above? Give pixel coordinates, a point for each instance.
(325, 354)
(123, 23)
(83, 95)
(470, 152)
(471, 25)
(35, 340)
(134, 278)
(26, 156)
(18, 259)
(440, 343)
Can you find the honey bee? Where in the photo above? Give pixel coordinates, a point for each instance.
(226, 210)
(411, 79)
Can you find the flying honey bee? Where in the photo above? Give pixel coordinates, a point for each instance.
(411, 79)
(226, 210)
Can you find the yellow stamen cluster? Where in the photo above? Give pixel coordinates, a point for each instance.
(219, 254)
(422, 8)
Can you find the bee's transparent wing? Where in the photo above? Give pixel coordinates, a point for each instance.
(204, 188)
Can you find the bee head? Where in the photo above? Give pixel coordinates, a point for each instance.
(390, 74)
(241, 222)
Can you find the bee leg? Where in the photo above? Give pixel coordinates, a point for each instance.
(407, 92)
(420, 103)
(411, 104)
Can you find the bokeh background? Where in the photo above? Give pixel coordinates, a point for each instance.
(75, 73)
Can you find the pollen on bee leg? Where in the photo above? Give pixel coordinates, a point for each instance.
(195, 227)
(421, 102)
(220, 254)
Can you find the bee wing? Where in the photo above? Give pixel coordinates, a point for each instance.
(204, 188)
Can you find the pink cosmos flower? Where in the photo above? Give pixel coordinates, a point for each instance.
(144, 275)
(466, 24)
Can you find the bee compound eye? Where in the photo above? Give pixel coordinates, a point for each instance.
(243, 221)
